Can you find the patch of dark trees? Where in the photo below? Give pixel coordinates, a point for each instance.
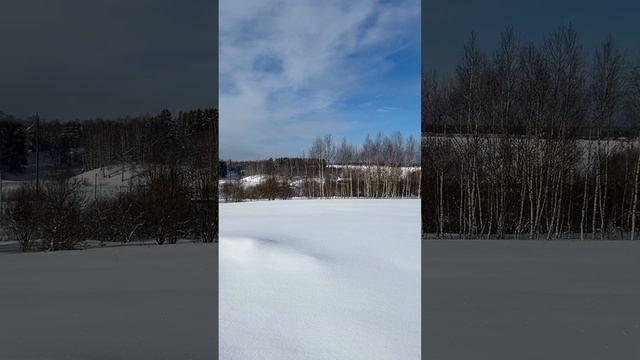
(535, 141)
(286, 166)
(271, 188)
(13, 144)
(88, 144)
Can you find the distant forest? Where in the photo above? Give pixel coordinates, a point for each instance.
(536, 140)
(174, 194)
(383, 166)
(93, 143)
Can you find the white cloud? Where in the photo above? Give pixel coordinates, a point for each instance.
(387, 109)
(285, 66)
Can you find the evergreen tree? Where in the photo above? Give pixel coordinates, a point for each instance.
(13, 149)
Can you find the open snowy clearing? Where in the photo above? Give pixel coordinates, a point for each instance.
(130, 302)
(554, 300)
(320, 279)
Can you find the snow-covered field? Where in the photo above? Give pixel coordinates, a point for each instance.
(131, 302)
(553, 300)
(320, 279)
(324, 279)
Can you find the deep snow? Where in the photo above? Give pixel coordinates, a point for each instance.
(131, 302)
(325, 279)
(553, 300)
(320, 279)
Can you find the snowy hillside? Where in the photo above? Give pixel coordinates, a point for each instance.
(313, 279)
(104, 181)
(109, 180)
(253, 180)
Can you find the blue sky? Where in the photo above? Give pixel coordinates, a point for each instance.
(292, 70)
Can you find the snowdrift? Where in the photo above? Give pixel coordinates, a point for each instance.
(320, 279)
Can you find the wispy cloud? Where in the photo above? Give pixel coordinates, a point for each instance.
(387, 109)
(288, 67)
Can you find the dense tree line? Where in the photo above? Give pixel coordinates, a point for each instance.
(174, 197)
(271, 187)
(93, 143)
(285, 166)
(382, 167)
(537, 140)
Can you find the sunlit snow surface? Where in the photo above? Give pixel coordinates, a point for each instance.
(320, 279)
